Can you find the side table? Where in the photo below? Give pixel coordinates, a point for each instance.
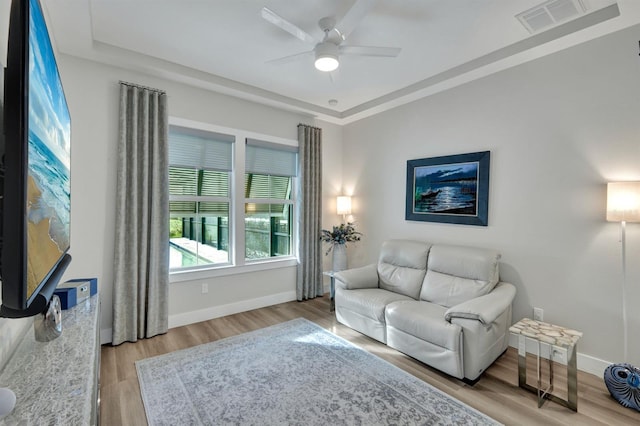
(332, 292)
(555, 337)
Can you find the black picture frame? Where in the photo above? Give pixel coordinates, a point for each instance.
(449, 189)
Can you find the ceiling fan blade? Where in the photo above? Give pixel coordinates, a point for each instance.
(352, 18)
(390, 52)
(290, 58)
(333, 76)
(282, 23)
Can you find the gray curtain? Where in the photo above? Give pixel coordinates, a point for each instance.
(309, 279)
(141, 265)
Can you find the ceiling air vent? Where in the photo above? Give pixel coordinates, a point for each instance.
(550, 13)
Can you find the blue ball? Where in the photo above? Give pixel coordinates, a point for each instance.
(623, 382)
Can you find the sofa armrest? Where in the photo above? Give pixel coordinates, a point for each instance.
(484, 308)
(364, 277)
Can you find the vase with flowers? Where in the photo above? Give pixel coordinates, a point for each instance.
(337, 239)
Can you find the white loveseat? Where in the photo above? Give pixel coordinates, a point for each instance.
(441, 304)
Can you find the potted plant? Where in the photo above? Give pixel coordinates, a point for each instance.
(337, 239)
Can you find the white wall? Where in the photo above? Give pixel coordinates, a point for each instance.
(558, 129)
(92, 94)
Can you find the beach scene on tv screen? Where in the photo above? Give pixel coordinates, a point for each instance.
(48, 186)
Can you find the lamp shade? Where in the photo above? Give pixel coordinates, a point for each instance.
(344, 204)
(623, 202)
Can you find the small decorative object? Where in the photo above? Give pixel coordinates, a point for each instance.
(339, 259)
(7, 401)
(623, 382)
(338, 239)
(450, 189)
(48, 325)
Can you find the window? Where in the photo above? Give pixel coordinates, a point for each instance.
(200, 166)
(269, 200)
(232, 204)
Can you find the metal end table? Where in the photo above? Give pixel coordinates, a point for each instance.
(558, 339)
(332, 293)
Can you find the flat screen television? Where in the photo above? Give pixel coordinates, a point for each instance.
(35, 166)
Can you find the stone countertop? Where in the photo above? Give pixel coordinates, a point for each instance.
(546, 333)
(55, 382)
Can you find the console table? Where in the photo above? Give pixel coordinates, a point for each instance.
(555, 336)
(57, 382)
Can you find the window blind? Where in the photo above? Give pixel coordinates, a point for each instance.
(263, 186)
(271, 159)
(198, 149)
(187, 181)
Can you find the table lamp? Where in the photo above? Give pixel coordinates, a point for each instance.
(343, 206)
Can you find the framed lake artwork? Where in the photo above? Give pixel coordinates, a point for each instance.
(449, 189)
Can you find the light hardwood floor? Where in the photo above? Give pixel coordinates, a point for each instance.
(496, 394)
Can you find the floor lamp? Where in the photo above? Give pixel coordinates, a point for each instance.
(623, 205)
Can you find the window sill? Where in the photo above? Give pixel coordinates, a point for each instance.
(221, 271)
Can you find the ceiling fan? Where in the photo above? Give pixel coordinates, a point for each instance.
(330, 48)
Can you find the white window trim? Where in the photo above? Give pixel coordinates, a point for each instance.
(200, 198)
(237, 262)
(268, 200)
(227, 269)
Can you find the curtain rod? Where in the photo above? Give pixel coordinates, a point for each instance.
(139, 86)
(310, 126)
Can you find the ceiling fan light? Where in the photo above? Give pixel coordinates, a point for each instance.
(326, 63)
(326, 56)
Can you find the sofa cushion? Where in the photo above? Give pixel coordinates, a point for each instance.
(424, 321)
(368, 302)
(456, 274)
(402, 266)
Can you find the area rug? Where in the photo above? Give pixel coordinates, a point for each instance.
(294, 373)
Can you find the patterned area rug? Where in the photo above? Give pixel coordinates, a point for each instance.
(294, 373)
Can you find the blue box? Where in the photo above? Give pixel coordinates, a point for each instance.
(93, 284)
(67, 297)
(68, 292)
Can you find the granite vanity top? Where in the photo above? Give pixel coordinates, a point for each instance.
(56, 382)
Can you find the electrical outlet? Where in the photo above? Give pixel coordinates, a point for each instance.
(205, 288)
(538, 314)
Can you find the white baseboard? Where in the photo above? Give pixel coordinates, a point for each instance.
(186, 318)
(593, 365)
(106, 336)
(586, 363)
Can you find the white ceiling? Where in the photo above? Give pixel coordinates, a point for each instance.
(224, 45)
